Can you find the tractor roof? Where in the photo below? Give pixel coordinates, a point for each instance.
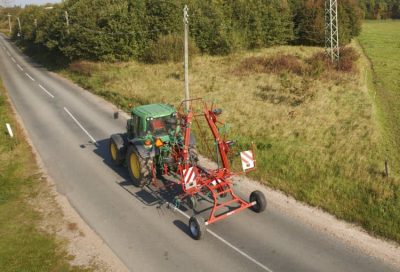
(153, 110)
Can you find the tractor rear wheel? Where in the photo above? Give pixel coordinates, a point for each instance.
(117, 149)
(261, 202)
(139, 168)
(197, 227)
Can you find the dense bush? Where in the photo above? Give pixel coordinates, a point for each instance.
(149, 30)
(167, 48)
(317, 65)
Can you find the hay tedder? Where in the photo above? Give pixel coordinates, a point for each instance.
(160, 141)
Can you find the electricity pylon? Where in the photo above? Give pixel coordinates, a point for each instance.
(332, 30)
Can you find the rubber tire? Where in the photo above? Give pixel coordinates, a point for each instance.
(144, 166)
(261, 202)
(120, 145)
(197, 227)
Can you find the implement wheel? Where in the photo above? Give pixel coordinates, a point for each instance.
(117, 149)
(197, 227)
(261, 202)
(139, 168)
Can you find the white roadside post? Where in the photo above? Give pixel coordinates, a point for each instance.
(10, 132)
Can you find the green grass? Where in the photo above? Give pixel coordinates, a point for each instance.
(4, 28)
(318, 135)
(23, 245)
(381, 42)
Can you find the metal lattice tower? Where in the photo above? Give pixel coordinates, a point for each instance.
(332, 30)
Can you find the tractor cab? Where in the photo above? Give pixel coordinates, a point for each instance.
(151, 120)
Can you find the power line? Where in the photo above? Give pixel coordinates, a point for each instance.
(115, 33)
(186, 23)
(67, 20)
(20, 28)
(9, 21)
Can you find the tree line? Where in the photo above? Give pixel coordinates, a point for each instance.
(152, 30)
(381, 9)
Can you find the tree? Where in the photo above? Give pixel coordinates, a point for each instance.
(309, 21)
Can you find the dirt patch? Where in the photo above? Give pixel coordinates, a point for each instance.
(288, 92)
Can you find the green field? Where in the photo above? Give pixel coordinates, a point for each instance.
(316, 130)
(381, 42)
(24, 246)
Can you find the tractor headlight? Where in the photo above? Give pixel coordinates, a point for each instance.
(147, 143)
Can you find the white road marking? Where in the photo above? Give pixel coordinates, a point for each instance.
(4, 48)
(13, 59)
(226, 242)
(46, 91)
(19, 66)
(8, 53)
(28, 75)
(239, 251)
(79, 124)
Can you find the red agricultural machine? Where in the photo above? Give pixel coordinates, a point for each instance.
(163, 143)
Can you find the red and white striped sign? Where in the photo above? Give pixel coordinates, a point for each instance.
(215, 182)
(189, 177)
(247, 160)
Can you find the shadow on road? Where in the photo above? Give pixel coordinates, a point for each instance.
(160, 196)
(149, 195)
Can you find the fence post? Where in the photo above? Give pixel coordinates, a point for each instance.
(386, 168)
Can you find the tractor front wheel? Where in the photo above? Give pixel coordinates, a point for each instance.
(139, 168)
(197, 227)
(117, 149)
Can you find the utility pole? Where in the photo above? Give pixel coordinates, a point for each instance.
(186, 23)
(332, 30)
(20, 29)
(9, 21)
(35, 22)
(67, 20)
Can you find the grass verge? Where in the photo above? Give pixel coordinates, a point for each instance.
(24, 244)
(380, 41)
(316, 130)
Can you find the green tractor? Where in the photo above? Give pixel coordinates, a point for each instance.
(159, 140)
(147, 147)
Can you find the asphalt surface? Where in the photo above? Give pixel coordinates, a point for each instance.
(70, 128)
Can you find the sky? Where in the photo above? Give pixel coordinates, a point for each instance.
(27, 2)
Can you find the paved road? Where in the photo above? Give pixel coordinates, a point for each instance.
(70, 128)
